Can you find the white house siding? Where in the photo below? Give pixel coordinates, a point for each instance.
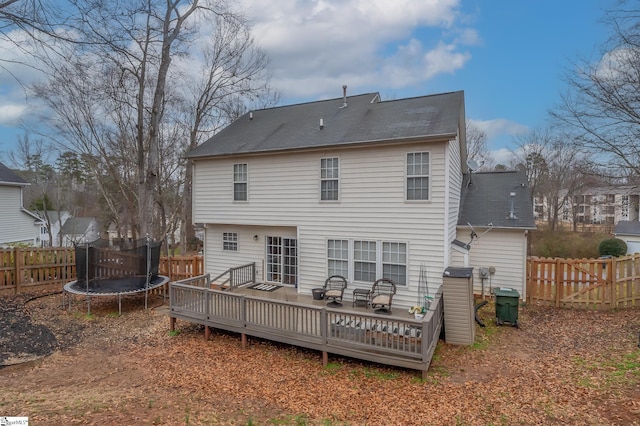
(284, 192)
(16, 226)
(218, 260)
(632, 241)
(503, 249)
(453, 185)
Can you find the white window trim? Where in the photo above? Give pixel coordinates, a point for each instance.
(379, 264)
(231, 241)
(406, 177)
(233, 183)
(337, 179)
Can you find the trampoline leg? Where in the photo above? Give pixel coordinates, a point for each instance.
(172, 324)
(119, 304)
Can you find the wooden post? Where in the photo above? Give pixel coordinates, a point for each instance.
(557, 280)
(244, 341)
(612, 282)
(172, 324)
(528, 279)
(325, 358)
(18, 272)
(207, 332)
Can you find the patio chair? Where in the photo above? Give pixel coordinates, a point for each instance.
(382, 293)
(334, 289)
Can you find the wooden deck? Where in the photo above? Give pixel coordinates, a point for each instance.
(285, 316)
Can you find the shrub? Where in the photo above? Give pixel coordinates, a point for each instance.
(565, 244)
(612, 247)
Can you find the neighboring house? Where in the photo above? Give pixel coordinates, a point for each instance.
(17, 224)
(116, 234)
(79, 230)
(496, 215)
(629, 232)
(52, 220)
(353, 186)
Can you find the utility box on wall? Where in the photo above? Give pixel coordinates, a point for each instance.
(459, 311)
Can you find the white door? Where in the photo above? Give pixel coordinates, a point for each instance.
(282, 260)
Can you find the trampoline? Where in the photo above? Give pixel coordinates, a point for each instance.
(126, 268)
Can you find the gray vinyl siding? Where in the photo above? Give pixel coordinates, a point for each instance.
(15, 225)
(454, 183)
(284, 193)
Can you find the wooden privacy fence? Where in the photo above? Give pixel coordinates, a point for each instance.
(584, 283)
(26, 270)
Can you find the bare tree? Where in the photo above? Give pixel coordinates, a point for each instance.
(234, 73)
(531, 156)
(477, 147)
(564, 177)
(601, 107)
(120, 99)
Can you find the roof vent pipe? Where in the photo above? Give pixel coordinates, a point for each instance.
(344, 96)
(250, 115)
(322, 123)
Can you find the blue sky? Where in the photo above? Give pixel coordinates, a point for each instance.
(507, 55)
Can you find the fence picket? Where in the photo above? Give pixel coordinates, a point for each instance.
(584, 283)
(48, 269)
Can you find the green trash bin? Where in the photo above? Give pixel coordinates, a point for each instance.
(507, 301)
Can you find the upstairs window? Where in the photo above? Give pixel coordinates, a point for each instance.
(240, 182)
(329, 179)
(417, 176)
(230, 241)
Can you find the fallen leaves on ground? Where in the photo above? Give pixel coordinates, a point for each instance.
(559, 367)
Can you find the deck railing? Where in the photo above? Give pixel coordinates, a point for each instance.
(390, 340)
(236, 276)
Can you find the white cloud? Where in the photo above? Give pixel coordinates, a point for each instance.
(502, 156)
(10, 115)
(371, 45)
(499, 128)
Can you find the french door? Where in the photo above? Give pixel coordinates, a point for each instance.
(282, 260)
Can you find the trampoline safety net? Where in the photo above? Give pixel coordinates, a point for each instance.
(132, 264)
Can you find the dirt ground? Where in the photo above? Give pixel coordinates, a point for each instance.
(559, 367)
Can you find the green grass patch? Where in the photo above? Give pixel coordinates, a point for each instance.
(300, 419)
(609, 372)
(174, 333)
(333, 367)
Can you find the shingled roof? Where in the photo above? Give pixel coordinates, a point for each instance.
(77, 225)
(487, 199)
(8, 177)
(365, 119)
(625, 227)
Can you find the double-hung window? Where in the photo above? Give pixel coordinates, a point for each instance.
(338, 257)
(364, 264)
(230, 241)
(329, 179)
(240, 182)
(417, 176)
(368, 260)
(394, 262)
